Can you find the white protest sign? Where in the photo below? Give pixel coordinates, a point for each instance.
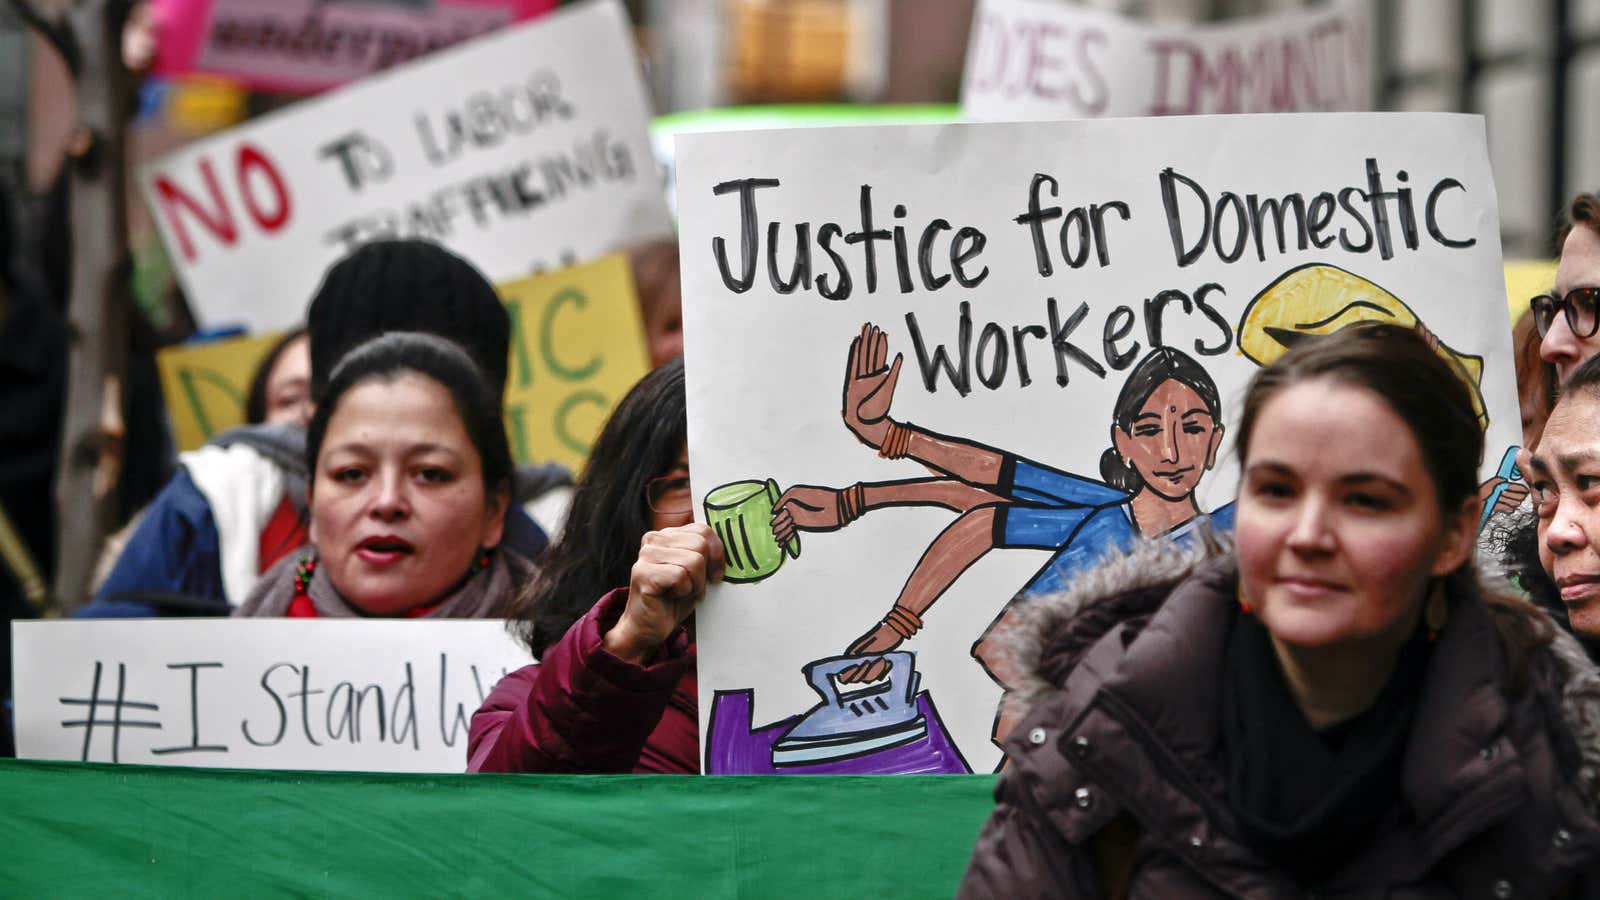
(373, 696)
(1032, 60)
(523, 150)
(1076, 308)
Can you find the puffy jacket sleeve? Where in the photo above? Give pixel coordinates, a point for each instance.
(580, 709)
(174, 550)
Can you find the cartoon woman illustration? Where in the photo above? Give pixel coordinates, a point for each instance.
(1165, 433)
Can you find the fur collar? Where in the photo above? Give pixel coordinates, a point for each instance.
(1045, 621)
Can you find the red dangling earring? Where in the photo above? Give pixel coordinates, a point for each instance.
(303, 571)
(1244, 604)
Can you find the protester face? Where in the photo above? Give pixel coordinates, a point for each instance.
(671, 501)
(1172, 441)
(1579, 268)
(1565, 474)
(289, 385)
(1338, 522)
(656, 276)
(399, 511)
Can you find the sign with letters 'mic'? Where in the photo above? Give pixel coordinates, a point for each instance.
(577, 346)
(360, 695)
(522, 151)
(1034, 60)
(958, 363)
(304, 46)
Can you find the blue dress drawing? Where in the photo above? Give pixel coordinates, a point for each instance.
(1081, 519)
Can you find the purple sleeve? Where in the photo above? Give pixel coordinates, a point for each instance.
(580, 709)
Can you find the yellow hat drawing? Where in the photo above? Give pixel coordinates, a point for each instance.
(1321, 299)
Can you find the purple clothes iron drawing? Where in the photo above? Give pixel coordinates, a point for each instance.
(886, 727)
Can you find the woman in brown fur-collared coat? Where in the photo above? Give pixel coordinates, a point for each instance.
(1336, 706)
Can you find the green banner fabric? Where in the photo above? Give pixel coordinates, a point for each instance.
(71, 830)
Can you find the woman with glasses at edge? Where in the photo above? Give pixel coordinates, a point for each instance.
(1566, 318)
(608, 615)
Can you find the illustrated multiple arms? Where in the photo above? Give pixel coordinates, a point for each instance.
(969, 472)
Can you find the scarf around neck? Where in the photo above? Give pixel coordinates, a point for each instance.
(1307, 801)
(483, 596)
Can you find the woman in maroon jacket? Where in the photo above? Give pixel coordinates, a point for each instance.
(615, 688)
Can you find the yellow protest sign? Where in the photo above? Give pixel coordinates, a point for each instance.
(1524, 278)
(206, 385)
(577, 346)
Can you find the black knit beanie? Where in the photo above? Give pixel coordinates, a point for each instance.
(407, 285)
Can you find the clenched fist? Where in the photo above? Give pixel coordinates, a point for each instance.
(667, 581)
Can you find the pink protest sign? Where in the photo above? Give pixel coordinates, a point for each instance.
(305, 46)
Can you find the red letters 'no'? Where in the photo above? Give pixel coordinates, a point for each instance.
(216, 217)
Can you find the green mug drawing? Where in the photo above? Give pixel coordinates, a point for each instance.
(741, 515)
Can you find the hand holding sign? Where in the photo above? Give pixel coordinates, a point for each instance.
(869, 386)
(666, 583)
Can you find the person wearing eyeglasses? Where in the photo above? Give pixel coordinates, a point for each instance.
(1567, 318)
(609, 613)
(1564, 321)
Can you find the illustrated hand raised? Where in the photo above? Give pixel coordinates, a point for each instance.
(666, 583)
(869, 385)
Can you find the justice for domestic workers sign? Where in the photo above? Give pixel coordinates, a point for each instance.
(373, 696)
(523, 150)
(955, 363)
(1034, 60)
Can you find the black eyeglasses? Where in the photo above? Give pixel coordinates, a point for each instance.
(669, 495)
(1579, 305)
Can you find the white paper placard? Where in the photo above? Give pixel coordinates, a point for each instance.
(523, 150)
(1034, 60)
(1083, 246)
(373, 696)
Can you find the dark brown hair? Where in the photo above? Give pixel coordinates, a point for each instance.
(609, 515)
(255, 404)
(389, 356)
(1399, 366)
(1584, 210)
